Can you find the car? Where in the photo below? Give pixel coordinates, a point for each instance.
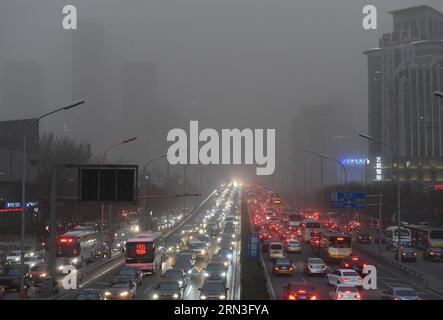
(433, 254)
(314, 266)
(13, 257)
(215, 271)
(166, 290)
(90, 294)
(400, 293)
(407, 254)
(177, 274)
(276, 250)
(136, 275)
(355, 263)
(186, 256)
(225, 252)
(39, 273)
(344, 292)
(33, 261)
(187, 229)
(121, 288)
(345, 276)
(299, 291)
(185, 266)
(10, 277)
(283, 266)
(200, 248)
(221, 258)
(293, 245)
(213, 290)
(363, 238)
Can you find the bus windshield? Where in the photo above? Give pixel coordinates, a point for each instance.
(403, 233)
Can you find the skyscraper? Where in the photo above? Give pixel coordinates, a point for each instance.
(403, 73)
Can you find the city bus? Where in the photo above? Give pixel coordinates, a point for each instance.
(309, 226)
(145, 251)
(333, 246)
(424, 236)
(76, 248)
(391, 237)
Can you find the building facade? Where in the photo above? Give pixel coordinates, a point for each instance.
(403, 73)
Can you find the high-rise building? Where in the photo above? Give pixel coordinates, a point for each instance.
(403, 73)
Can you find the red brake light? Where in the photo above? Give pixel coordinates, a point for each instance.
(314, 297)
(301, 291)
(355, 258)
(291, 297)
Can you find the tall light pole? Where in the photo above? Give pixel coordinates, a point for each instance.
(396, 155)
(23, 211)
(323, 156)
(102, 211)
(304, 178)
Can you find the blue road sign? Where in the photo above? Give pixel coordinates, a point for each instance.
(253, 245)
(348, 200)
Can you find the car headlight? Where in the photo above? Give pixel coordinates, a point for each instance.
(155, 296)
(225, 263)
(202, 297)
(223, 274)
(229, 256)
(60, 268)
(222, 297)
(17, 259)
(175, 295)
(124, 294)
(74, 261)
(180, 282)
(43, 275)
(206, 274)
(107, 293)
(203, 251)
(32, 265)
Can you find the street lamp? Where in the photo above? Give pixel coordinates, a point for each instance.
(23, 211)
(396, 154)
(323, 156)
(102, 213)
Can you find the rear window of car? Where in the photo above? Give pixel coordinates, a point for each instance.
(405, 293)
(348, 288)
(350, 274)
(276, 247)
(316, 261)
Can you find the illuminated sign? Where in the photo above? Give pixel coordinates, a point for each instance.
(355, 161)
(378, 169)
(140, 249)
(17, 205)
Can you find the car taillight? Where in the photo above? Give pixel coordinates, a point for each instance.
(340, 296)
(346, 265)
(357, 296)
(290, 268)
(415, 253)
(397, 298)
(314, 297)
(275, 268)
(291, 297)
(346, 279)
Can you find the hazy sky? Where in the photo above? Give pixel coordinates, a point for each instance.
(227, 63)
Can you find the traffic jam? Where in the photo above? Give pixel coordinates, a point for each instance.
(197, 261)
(310, 256)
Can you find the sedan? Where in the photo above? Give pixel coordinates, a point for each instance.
(121, 288)
(314, 266)
(176, 274)
(213, 290)
(407, 254)
(345, 276)
(400, 293)
(283, 266)
(293, 246)
(90, 294)
(299, 291)
(215, 271)
(133, 273)
(433, 254)
(355, 263)
(344, 292)
(166, 290)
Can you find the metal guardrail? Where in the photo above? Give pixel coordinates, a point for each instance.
(401, 266)
(269, 285)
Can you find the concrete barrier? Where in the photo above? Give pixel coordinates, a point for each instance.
(401, 266)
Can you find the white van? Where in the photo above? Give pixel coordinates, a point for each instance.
(276, 250)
